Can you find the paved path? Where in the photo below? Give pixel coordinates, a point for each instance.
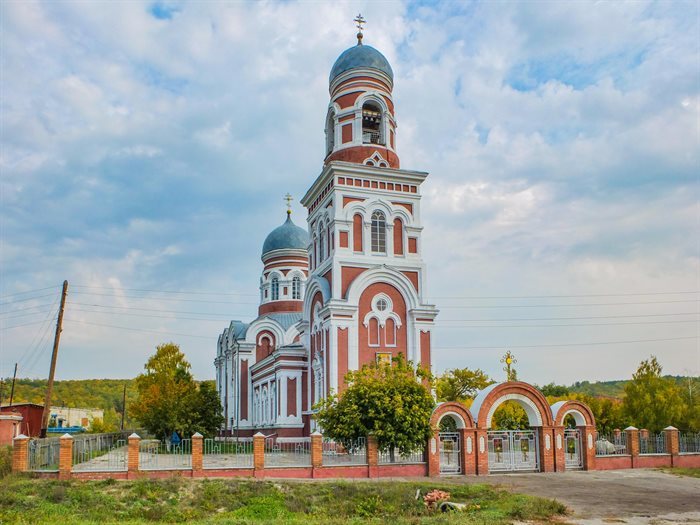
(639, 496)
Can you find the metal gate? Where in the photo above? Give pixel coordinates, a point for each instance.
(450, 453)
(572, 449)
(511, 450)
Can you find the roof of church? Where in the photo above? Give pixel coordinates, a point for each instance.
(285, 319)
(239, 329)
(361, 56)
(289, 236)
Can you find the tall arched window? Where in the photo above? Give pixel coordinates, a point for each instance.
(357, 232)
(296, 288)
(372, 124)
(322, 237)
(275, 286)
(378, 232)
(398, 237)
(330, 133)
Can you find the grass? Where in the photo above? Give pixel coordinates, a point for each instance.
(27, 500)
(681, 471)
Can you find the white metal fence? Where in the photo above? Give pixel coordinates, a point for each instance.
(43, 454)
(227, 454)
(610, 444)
(389, 457)
(345, 453)
(652, 443)
(296, 453)
(100, 452)
(164, 455)
(689, 443)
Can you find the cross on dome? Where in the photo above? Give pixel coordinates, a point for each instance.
(289, 200)
(359, 21)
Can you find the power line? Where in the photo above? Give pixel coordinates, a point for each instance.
(18, 325)
(164, 291)
(557, 296)
(223, 320)
(163, 298)
(26, 299)
(565, 318)
(144, 330)
(564, 344)
(39, 312)
(461, 327)
(158, 310)
(28, 291)
(27, 308)
(445, 307)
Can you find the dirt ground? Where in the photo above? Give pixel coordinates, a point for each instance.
(640, 496)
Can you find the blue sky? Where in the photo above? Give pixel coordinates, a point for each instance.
(147, 146)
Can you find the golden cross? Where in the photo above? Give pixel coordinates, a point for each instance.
(360, 21)
(289, 200)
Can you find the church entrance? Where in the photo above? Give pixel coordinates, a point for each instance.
(513, 450)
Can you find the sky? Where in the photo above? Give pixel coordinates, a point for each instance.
(145, 149)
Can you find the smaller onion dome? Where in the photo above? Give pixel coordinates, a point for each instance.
(289, 236)
(361, 56)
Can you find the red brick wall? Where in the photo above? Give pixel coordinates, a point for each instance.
(357, 232)
(367, 354)
(292, 397)
(347, 275)
(244, 389)
(398, 237)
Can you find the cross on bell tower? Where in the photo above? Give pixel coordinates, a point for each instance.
(359, 23)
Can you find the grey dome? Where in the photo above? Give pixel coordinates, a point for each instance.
(289, 236)
(361, 56)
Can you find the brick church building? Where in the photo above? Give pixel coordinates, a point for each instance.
(348, 289)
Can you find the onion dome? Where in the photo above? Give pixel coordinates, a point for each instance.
(361, 57)
(289, 236)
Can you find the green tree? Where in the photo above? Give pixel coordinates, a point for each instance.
(510, 416)
(554, 390)
(652, 401)
(164, 392)
(204, 408)
(390, 401)
(461, 384)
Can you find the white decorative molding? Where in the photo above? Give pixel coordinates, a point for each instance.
(482, 445)
(533, 414)
(558, 441)
(469, 445)
(547, 442)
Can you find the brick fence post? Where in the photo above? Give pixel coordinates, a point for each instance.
(632, 435)
(20, 453)
(197, 443)
(546, 449)
(560, 449)
(316, 452)
(259, 455)
(132, 458)
(588, 435)
(372, 456)
(672, 443)
(65, 456)
(482, 455)
(434, 455)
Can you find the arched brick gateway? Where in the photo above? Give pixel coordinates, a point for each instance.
(465, 438)
(573, 448)
(538, 413)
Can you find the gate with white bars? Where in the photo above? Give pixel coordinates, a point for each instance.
(450, 453)
(572, 449)
(513, 450)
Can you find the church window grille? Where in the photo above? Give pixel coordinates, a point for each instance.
(296, 288)
(372, 124)
(378, 232)
(275, 286)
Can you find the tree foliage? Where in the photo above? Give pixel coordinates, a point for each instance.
(390, 401)
(461, 384)
(510, 416)
(652, 401)
(170, 400)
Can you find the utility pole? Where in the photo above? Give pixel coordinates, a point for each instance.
(54, 357)
(123, 406)
(14, 378)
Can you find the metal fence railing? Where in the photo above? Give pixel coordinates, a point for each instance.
(43, 454)
(163, 455)
(652, 443)
(389, 456)
(610, 444)
(296, 453)
(345, 453)
(100, 452)
(689, 443)
(227, 454)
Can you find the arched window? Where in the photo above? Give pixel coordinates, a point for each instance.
(372, 124)
(275, 286)
(390, 331)
(373, 331)
(378, 232)
(296, 288)
(357, 232)
(330, 133)
(398, 237)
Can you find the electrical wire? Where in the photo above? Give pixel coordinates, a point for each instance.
(558, 296)
(26, 299)
(167, 334)
(28, 291)
(445, 307)
(596, 343)
(164, 291)
(163, 298)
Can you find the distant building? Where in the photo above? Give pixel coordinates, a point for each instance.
(60, 417)
(348, 291)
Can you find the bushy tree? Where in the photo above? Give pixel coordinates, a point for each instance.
(170, 400)
(510, 416)
(390, 401)
(461, 384)
(652, 401)
(552, 390)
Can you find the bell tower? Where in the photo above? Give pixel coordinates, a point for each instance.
(364, 299)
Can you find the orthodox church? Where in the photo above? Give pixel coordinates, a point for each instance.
(348, 289)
